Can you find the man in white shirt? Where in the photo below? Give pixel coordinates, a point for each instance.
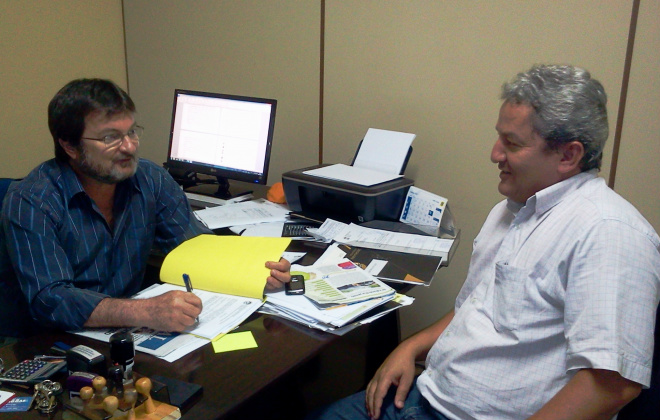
(555, 319)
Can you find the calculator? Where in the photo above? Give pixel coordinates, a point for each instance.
(32, 371)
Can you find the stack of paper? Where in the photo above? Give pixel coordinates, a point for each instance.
(388, 254)
(381, 157)
(356, 235)
(341, 284)
(336, 295)
(244, 213)
(337, 320)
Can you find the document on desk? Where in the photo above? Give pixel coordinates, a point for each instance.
(158, 343)
(300, 309)
(337, 320)
(221, 313)
(356, 235)
(392, 266)
(248, 212)
(233, 265)
(343, 283)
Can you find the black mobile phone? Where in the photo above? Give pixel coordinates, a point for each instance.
(296, 286)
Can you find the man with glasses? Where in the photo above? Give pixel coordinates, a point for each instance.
(77, 231)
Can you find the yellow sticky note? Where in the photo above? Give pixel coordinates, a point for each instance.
(235, 341)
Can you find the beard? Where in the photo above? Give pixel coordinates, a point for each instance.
(114, 174)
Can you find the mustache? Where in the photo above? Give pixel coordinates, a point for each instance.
(131, 156)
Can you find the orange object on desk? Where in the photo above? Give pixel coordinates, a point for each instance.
(276, 194)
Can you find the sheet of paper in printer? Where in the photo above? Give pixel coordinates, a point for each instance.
(380, 159)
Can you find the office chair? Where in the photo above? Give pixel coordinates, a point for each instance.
(647, 405)
(4, 185)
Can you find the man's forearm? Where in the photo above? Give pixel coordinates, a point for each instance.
(592, 394)
(117, 313)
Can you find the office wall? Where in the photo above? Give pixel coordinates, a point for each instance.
(44, 44)
(435, 69)
(250, 48)
(638, 171)
(427, 67)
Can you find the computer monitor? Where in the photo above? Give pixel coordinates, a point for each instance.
(226, 136)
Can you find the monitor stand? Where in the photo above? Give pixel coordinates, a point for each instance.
(223, 188)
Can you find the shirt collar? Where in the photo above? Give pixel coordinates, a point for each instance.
(548, 197)
(72, 185)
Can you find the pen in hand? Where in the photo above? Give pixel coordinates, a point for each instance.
(189, 288)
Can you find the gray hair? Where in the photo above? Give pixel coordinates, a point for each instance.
(568, 105)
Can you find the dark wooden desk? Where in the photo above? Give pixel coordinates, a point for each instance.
(293, 370)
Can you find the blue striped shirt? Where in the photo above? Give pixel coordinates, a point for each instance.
(65, 255)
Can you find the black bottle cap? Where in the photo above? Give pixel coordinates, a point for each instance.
(122, 348)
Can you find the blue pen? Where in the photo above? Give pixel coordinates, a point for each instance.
(186, 281)
(189, 288)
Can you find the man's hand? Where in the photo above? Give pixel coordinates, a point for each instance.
(171, 311)
(399, 367)
(279, 274)
(398, 370)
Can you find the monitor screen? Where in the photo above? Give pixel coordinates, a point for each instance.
(226, 136)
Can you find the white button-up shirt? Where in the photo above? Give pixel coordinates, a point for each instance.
(568, 281)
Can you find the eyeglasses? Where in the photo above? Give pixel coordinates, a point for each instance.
(115, 139)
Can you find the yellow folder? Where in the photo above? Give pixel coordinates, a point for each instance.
(234, 265)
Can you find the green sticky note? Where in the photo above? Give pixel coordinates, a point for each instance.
(235, 341)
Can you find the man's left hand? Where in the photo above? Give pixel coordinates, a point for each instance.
(279, 274)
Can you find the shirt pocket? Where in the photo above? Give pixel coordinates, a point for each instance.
(140, 236)
(508, 297)
(132, 249)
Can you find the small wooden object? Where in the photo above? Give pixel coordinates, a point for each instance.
(151, 409)
(143, 386)
(126, 408)
(110, 404)
(130, 397)
(100, 391)
(86, 394)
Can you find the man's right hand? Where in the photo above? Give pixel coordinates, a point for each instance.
(399, 367)
(398, 370)
(173, 311)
